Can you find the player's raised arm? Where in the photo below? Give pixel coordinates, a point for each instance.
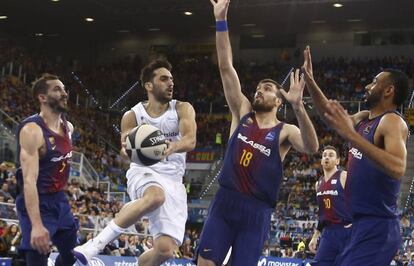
(31, 139)
(303, 139)
(319, 99)
(238, 103)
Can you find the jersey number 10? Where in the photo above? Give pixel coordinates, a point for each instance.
(327, 203)
(245, 158)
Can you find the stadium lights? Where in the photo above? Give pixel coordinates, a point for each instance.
(153, 29)
(188, 13)
(338, 5)
(89, 19)
(3, 17)
(55, 0)
(39, 34)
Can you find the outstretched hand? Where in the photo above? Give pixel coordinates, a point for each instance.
(339, 120)
(307, 64)
(295, 94)
(220, 9)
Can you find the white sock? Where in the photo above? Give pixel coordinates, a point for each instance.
(108, 234)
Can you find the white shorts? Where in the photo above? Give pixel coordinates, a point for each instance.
(170, 218)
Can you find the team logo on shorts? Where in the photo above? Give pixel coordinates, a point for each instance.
(270, 136)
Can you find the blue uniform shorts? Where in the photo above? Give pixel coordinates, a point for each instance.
(56, 216)
(235, 220)
(374, 241)
(331, 244)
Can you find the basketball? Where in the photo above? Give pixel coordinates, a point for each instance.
(145, 145)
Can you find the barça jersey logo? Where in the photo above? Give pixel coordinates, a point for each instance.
(270, 136)
(52, 142)
(367, 129)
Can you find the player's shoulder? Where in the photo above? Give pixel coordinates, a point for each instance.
(183, 107)
(31, 134)
(392, 117)
(392, 121)
(289, 128)
(70, 126)
(31, 129)
(130, 114)
(182, 104)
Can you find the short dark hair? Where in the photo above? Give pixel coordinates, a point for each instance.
(400, 81)
(329, 147)
(40, 85)
(147, 73)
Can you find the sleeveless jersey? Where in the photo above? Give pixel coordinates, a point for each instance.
(331, 200)
(53, 166)
(174, 165)
(372, 192)
(252, 164)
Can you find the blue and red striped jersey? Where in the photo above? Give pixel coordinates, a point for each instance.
(252, 164)
(330, 196)
(53, 165)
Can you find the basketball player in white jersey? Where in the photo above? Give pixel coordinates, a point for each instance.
(156, 191)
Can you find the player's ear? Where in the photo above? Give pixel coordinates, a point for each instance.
(148, 86)
(42, 97)
(389, 90)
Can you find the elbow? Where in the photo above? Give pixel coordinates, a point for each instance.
(225, 66)
(313, 148)
(398, 172)
(192, 144)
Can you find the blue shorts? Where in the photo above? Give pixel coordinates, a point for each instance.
(374, 241)
(235, 220)
(331, 244)
(56, 216)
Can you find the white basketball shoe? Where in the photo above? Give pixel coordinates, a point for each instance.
(86, 252)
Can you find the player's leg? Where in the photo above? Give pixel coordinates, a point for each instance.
(329, 247)
(167, 224)
(162, 251)
(147, 195)
(65, 241)
(128, 215)
(249, 241)
(215, 240)
(220, 228)
(34, 258)
(66, 238)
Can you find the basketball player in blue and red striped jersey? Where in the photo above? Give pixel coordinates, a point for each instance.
(45, 147)
(334, 225)
(376, 164)
(239, 215)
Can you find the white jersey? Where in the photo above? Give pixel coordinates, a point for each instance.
(174, 165)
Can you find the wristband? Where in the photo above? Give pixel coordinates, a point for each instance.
(221, 26)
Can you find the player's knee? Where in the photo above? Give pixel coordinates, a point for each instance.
(155, 197)
(204, 262)
(165, 250)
